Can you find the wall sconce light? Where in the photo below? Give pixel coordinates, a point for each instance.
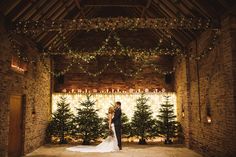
(17, 65)
(208, 119)
(183, 114)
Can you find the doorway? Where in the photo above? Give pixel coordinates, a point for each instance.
(15, 141)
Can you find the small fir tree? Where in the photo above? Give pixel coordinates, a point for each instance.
(61, 123)
(142, 121)
(88, 123)
(167, 124)
(126, 125)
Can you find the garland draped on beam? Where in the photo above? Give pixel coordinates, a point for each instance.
(135, 53)
(104, 24)
(132, 73)
(119, 49)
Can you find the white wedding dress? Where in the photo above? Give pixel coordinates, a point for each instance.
(110, 144)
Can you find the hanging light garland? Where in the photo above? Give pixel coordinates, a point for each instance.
(210, 46)
(119, 49)
(105, 50)
(110, 24)
(60, 73)
(94, 74)
(18, 50)
(102, 51)
(130, 74)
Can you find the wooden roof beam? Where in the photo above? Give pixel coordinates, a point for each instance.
(36, 7)
(162, 6)
(46, 38)
(158, 8)
(53, 38)
(62, 11)
(200, 8)
(109, 3)
(21, 12)
(175, 8)
(77, 2)
(68, 36)
(87, 12)
(53, 10)
(59, 16)
(8, 6)
(182, 6)
(159, 34)
(179, 41)
(145, 8)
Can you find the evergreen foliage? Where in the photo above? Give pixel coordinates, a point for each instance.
(167, 124)
(142, 121)
(88, 124)
(62, 122)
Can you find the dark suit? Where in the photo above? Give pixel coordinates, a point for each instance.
(117, 123)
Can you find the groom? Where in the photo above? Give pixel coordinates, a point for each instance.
(117, 122)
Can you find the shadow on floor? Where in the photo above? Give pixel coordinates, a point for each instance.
(130, 145)
(151, 144)
(41, 156)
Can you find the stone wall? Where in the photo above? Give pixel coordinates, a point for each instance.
(113, 81)
(35, 84)
(112, 78)
(209, 83)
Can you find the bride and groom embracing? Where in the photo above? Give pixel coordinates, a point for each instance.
(113, 141)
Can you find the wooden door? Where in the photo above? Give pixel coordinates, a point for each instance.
(15, 127)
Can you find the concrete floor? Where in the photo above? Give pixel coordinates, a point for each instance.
(130, 150)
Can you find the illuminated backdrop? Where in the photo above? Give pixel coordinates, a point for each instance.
(104, 100)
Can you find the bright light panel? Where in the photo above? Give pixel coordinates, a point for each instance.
(104, 100)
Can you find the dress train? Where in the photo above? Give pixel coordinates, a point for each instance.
(110, 144)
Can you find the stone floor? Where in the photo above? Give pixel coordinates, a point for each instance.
(130, 150)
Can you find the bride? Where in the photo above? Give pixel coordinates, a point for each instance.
(110, 144)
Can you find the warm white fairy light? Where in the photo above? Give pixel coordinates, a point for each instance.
(104, 100)
(208, 119)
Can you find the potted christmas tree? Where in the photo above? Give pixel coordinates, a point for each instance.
(167, 124)
(88, 124)
(142, 121)
(61, 123)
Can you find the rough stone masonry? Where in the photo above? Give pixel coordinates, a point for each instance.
(209, 85)
(35, 84)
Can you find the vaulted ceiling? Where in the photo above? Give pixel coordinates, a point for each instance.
(21, 10)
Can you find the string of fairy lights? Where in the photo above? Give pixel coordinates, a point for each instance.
(117, 48)
(109, 24)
